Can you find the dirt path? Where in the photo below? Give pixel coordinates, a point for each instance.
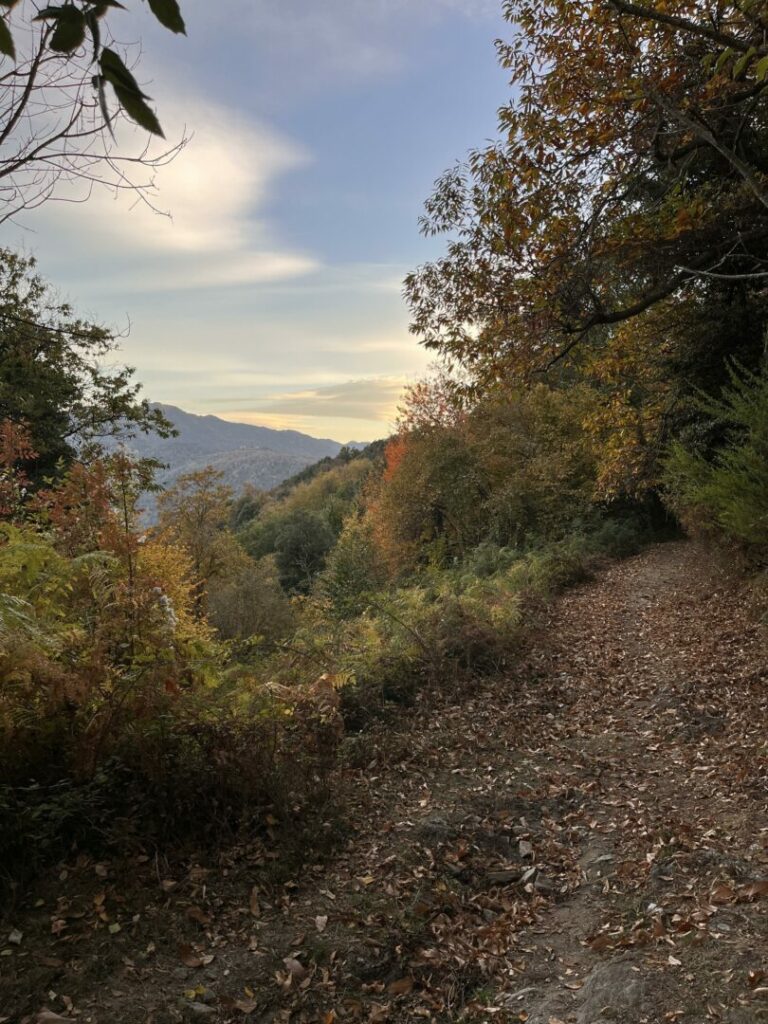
(584, 841)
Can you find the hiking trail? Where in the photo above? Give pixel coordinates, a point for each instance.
(584, 840)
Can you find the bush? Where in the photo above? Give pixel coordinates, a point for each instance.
(725, 492)
(250, 603)
(197, 769)
(460, 626)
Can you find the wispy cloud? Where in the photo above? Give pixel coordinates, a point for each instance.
(369, 399)
(339, 38)
(205, 225)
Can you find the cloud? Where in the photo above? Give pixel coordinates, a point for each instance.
(338, 38)
(367, 399)
(214, 232)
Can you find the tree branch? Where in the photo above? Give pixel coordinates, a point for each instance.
(724, 38)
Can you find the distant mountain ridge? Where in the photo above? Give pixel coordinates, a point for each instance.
(211, 435)
(245, 454)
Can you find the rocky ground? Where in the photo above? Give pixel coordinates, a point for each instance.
(584, 840)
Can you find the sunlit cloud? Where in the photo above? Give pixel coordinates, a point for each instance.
(369, 399)
(201, 225)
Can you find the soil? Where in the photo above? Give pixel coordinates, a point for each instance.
(582, 840)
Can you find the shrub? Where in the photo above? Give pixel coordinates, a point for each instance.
(725, 492)
(250, 603)
(195, 769)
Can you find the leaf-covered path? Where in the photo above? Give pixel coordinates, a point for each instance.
(584, 840)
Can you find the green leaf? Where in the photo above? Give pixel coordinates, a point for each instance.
(50, 14)
(724, 57)
(761, 69)
(69, 32)
(115, 71)
(93, 27)
(98, 84)
(743, 61)
(103, 6)
(6, 40)
(129, 95)
(135, 107)
(168, 13)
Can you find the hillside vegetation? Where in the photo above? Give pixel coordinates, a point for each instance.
(229, 678)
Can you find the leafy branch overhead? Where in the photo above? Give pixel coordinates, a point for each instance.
(629, 172)
(74, 25)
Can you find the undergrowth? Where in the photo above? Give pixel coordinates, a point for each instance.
(260, 742)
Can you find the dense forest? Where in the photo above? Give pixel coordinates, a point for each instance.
(598, 322)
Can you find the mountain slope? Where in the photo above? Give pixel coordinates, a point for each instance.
(244, 454)
(209, 435)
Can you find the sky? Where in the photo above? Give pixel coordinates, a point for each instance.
(268, 287)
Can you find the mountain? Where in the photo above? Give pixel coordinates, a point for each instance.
(245, 454)
(208, 435)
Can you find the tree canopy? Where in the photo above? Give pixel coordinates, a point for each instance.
(631, 170)
(53, 378)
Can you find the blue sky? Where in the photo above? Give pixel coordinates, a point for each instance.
(273, 293)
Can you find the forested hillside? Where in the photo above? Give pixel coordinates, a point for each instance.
(243, 455)
(351, 701)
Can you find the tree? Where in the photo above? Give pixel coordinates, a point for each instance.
(302, 546)
(193, 515)
(631, 169)
(249, 602)
(55, 120)
(52, 374)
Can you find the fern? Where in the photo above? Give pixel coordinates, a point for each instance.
(727, 493)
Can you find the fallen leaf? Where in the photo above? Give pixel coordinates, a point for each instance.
(253, 902)
(190, 958)
(379, 1013)
(49, 1017)
(755, 889)
(296, 969)
(401, 987)
(525, 849)
(722, 894)
(102, 871)
(241, 1005)
(321, 923)
(199, 916)
(15, 937)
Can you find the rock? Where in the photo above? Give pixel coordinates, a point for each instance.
(613, 991)
(201, 1010)
(503, 877)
